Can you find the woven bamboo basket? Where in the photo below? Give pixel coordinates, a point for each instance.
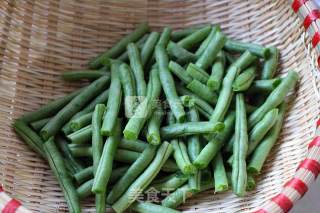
(40, 39)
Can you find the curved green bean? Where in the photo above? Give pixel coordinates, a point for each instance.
(244, 80)
(83, 74)
(128, 87)
(270, 65)
(148, 47)
(181, 55)
(256, 49)
(180, 34)
(140, 43)
(265, 86)
(217, 72)
(205, 43)
(195, 38)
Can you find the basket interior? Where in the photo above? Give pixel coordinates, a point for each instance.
(40, 39)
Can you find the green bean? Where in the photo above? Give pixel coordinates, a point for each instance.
(244, 60)
(140, 43)
(181, 55)
(100, 99)
(153, 128)
(81, 136)
(50, 108)
(63, 146)
(80, 150)
(144, 109)
(205, 43)
(37, 125)
(264, 86)
(203, 91)
(97, 139)
(83, 74)
(197, 73)
(31, 138)
(270, 65)
(117, 173)
(81, 121)
(84, 175)
(57, 165)
(164, 37)
(210, 53)
(219, 173)
(244, 80)
(119, 47)
(133, 172)
(194, 145)
(275, 98)
(137, 69)
(215, 144)
(217, 72)
(55, 124)
(144, 179)
(239, 172)
(84, 190)
(133, 145)
(260, 154)
(256, 49)
(148, 48)
(180, 34)
(190, 128)
(199, 102)
(114, 103)
(195, 38)
(104, 169)
(146, 207)
(181, 156)
(171, 183)
(178, 70)
(251, 183)
(128, 87)
(204, 113)
(168, 84)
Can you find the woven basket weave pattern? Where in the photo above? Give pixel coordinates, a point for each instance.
(40, 39)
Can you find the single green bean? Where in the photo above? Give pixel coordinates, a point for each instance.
(83, 74)
(171, 183)
(31, 138)
(180, 34)
(195, 38)
(219, 173)
(256, 49)
(114, 103)
(210, 53)
(148, 48)
(181, 55)
(81, 136)
(80, 150)
(215, 144)
(217, 72)
(50, 108)
(137, 69)
(244, 60)
(203, 91)
(81, 121)
(260, 154)
(84, 190)
(97, 139)
(178, 70)
(275, 98)
(164, 37)
(240, 147)
(168, 84)
(270, 65)
(38, 125)
(194, 145)
(144, 179)
(153, 128)
(205, 43)
(147, 207)
(251, 183)
(264, 86)
(84, 175)
(57, 165)
(128, 87)
(181, 156)
(133, 145)
(119, 47)
(140, 43)
(244, 80)
(55, 124)
(133, 172)
(197, 73)
(104, 169)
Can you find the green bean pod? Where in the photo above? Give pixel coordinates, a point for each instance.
(178, 70)
(219, 174)
(84, 190)
(55, 124)
(84, 175)
(153, 127)
(147, 207)
(168, 84)
(144, 179)
(170, 183)
(181, 55)
(195, 38)
(256, 49)
(80, 150)
(140, 43)
(264, 86)
(244, 80)
(260, 154)
(203, 91)
(197, 73)
(181, 156)
(270, 65)
(180, 34)
(194, 145)
(251, 183)
(57, 165)
(217, 72)
(83, 74)
(214, 46)
(119, 47)
(205, 43)
(81, 121)
(114, 102)
(38, 125)
(148, 48)
(133, 172)
(133, 145)
(240, 147)
(244, 60)
(81, 136)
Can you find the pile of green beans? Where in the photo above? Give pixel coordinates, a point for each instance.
(176, 112)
